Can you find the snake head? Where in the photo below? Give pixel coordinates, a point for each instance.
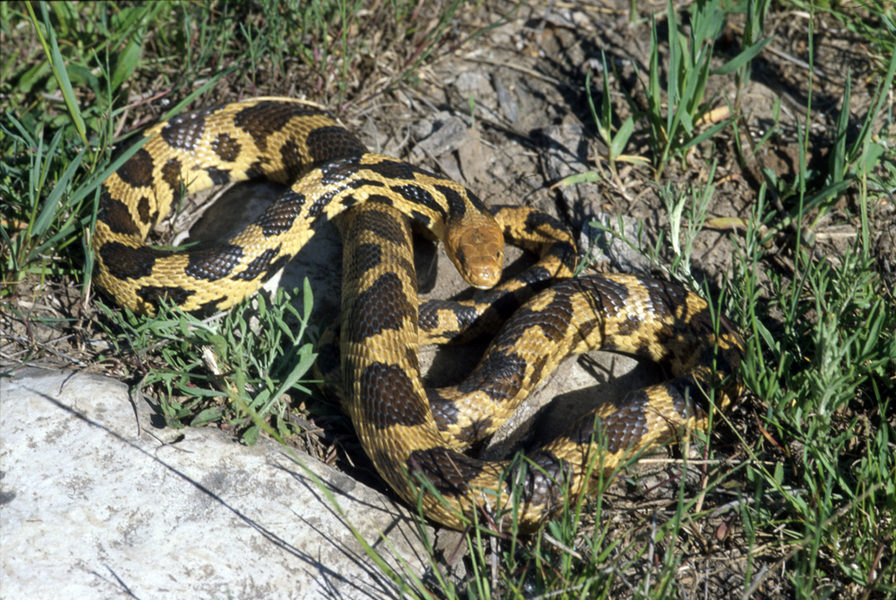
(477, 252)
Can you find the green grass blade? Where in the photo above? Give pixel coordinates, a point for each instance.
(838, 156)
(622, 136)
(126, 63)
(45, 218)
(706, 134)
(59, 69)
(742, 59)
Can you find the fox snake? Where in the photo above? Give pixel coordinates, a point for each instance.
(414, 436)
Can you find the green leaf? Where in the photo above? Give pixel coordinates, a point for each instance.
(81, 74)
(622, 136)
(250, 437)
(33, 76)
(194, 391)
(45, 219)
(743, 58)
(869, 159)
(633, 159)
(838, 156)
(207, 416)
(127, 61)
(60, 71)
(706, 134)
(586, 177)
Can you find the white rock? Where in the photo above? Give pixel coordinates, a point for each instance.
(93, 506)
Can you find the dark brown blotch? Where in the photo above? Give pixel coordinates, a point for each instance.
(115, 215)
(395, 169)
(380, 224)
(410, 355)
(553, 319)
(320, 203)
(466, 316)
(332, 142)
(381, 307)
(280, 216)
(208, 308)
(444, 411)
(457, 206)
(618, 431)
(218, 176)
(137, 170)
(293, 163)
(607, 296)
(449, 472)
(388, 397)
(257, 169)
(628, 326)
(266, 118)
(155, 294)
(475, 431)
(337, 171)
(226, 147)
(171, 174)
(664, 297)
(419, 217)
(185, 132)
(125, 262)
(143, 209)
(499, 375)
(537, 219)
(420, 197)
(215, 263)
(367, 257)
(347, 201)
(258, 265)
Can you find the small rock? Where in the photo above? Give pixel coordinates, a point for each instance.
(445, 135)
(607, 251)
(506, 101)
(473, 83)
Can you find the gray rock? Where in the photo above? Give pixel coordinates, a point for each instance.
(97, 501)
(442, 134)
(606, 251)
(473, 83)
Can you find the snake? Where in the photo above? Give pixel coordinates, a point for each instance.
(415, 437)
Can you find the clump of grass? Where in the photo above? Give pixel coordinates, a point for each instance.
(819, 488)
(673, 129)
(60, 151)
(822, 367)
(221, 370)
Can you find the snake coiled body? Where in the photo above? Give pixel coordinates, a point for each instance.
(414, 435)
(285, 141)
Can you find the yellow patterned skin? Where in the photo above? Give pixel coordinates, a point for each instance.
(413, 435)
(328, 170)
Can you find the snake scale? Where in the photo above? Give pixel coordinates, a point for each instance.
(414, 436)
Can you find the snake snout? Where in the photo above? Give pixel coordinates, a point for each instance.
(478, 253)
